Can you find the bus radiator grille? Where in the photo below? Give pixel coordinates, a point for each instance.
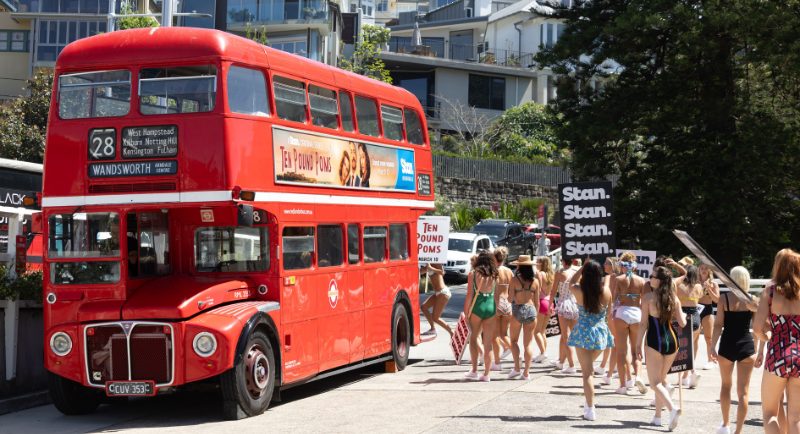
(151, 354)
(108, 354)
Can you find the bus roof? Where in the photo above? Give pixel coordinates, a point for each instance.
(164, 44)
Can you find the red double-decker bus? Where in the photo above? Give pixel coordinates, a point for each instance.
(216, 210)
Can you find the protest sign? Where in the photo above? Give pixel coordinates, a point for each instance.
(645, 260)
(460, 339)
(705, 258)
(433, 235)
(552, 329)
(587, 220)
(684, 361)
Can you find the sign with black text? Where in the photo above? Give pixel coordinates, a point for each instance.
(144, 168)
(423, 184)
(587, 220)
(150, 142)
(552, 329)
(644, 260)
(684, 361)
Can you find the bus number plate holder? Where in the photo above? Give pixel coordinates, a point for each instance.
(130, 388)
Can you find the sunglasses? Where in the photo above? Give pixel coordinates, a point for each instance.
(607, 263)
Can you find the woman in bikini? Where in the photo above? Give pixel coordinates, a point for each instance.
(503, 308)
(736, 349)
(437, 301)
(710, 296)
(689, 292)
(661, 307)
(567, 309)
(777, 321)
(546, 277)
(525, 291)
(609, 281)
(480, 308)
(628, 291)
(591, 334)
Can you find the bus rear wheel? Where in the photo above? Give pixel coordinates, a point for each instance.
(401, 336)
(247, 387)
(72, 398)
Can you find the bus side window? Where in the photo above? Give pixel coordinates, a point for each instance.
(367, 117)
(353, 249)
(392, 122)
(298, 247)
(330, 246)
(398, 242)
(290, 99)
(324, 109)
(374, 244)
(414, 132)
(247, 91)
(347, 112)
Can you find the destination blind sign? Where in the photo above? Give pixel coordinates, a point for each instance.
(144, 168)
(150, 142)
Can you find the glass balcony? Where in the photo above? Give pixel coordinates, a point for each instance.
(89, 7)
(268, 12)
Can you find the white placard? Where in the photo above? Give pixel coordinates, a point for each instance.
(433, 235)
(645, 259)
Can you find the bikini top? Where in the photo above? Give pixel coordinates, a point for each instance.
(517, 291)
(632, 296)
(475, 285)
(689, 299)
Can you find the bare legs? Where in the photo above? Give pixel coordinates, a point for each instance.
(501, 335)
(567, 352)
(437, 303)
(516, 328)
(657, 370)
(623, 333)
(488, 325)
(539, 332)
(772, 388)
(707, 324)
(586, 359)
(744, 370)
(527, 341)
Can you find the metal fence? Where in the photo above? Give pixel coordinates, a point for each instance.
(484, 170)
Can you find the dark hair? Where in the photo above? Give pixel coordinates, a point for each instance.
(665, 296)
(364, 176)
(485, 264)
(786, 274)
(345, 158)
(661, 261)
(526, 272)
(692, 276)
(592, 286)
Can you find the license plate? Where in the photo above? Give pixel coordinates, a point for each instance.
(130, 388)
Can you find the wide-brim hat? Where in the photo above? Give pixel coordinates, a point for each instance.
(686, 261)
(524, 260)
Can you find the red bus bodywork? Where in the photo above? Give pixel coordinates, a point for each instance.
(220, 154)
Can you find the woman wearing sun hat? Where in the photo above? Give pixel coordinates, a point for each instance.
(524, 290)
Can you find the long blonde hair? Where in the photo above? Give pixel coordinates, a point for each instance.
(614, 261)
(546, 267)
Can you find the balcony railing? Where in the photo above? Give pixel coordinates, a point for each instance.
(436, 47)
(403, 45)
(278, 11)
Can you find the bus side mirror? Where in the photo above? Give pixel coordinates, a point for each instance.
(244, 217)
(36, 223)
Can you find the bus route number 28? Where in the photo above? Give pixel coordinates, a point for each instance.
(102, 144)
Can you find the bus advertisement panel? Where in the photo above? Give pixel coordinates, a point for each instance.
(307, 158)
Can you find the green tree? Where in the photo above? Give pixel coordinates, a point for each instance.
(260, 37)
(524, 130)
(23, 123)
(134, 22)
(365, 58)
(698, 114)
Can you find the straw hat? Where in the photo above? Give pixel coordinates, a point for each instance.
(686, 261)
(524, 260)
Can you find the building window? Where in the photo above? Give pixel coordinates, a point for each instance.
(295, 44)
(55, 35)
(487, 92)
(383, 6)
(14, 41)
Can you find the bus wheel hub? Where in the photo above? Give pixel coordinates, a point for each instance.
(257, 367)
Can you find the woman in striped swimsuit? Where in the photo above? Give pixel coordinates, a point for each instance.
(660, 307)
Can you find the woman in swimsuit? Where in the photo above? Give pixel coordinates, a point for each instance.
(591, 334)
(628, 290)
(710, 296)
(567, 310)
(689, 292)
(661, 307)
(437, 301)
(609, 281)
(777, 320)
(501, 339)
(546, 277)
(481, 285)
(525, 290)
(735, 348)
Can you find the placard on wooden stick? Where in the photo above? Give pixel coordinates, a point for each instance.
(460, 339)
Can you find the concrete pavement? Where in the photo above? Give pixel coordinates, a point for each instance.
(430, 395)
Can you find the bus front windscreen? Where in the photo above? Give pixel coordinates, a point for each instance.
(80, 236)
(222, 249)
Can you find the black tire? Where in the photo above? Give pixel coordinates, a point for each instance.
(72, 398)
(250, 383)
(529, 251)
(401, 336)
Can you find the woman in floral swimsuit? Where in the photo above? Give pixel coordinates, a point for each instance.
(567, 310)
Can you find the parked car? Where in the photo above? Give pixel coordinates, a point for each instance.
(507, 233)
(553, 234)
(461, 247)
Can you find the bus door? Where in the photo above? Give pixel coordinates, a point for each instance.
(333, 327)
(377, 297)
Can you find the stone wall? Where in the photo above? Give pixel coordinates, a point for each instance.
(486, 193)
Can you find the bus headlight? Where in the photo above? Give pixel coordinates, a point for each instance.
(61, 344)
(204, 344)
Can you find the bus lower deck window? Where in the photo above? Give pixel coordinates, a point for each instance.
(225, 249)
(330, 246)
(298, 247)
(374, 244)
(352, 244)
(179, 89)
(290, 99)
(398, 242)
(94, 94)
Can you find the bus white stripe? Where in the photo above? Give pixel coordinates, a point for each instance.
(225, 196)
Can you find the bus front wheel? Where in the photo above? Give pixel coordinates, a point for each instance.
(72, 398)
(247, 388)
(401, 336)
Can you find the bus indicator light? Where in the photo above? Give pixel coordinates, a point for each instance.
(289, 280)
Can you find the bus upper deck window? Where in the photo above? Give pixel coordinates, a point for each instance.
(413, 128)
(324, 109)
(247, 91)
(179, 89)
(347, 112)
(290, 99)
(94, 94)
(298, 247)
(392, 122)
(367, 117)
